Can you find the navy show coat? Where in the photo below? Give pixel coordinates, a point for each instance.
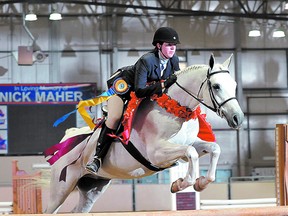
(147, 70)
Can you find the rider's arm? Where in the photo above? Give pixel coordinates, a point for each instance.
(142, 71)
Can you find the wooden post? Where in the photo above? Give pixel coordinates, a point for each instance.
(27, 196)
(281, 163)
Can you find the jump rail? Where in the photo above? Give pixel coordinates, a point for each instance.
(264, 211)
(237, 203)
(6, 207)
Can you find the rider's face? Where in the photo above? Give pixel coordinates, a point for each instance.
(168, 49)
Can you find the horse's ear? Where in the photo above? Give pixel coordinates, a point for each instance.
(226, 64)
(212, 60)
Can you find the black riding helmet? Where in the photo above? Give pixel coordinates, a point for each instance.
(165, 34)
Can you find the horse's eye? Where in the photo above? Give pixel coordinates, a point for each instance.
(216, 87)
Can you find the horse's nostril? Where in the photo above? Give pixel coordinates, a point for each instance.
(235, 120)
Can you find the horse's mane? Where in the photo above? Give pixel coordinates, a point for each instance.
(192, 68)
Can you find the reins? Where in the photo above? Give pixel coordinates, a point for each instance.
(216, 106)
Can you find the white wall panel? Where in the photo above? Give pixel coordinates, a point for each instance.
(83, 67)
(267, 121)
(264, 69)
(262, 145)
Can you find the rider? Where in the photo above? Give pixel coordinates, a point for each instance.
(151, 74)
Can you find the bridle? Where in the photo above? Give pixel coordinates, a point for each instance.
(216, 105)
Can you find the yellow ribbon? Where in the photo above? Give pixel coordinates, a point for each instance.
(87, 103)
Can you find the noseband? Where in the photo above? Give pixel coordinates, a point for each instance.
(216, 105)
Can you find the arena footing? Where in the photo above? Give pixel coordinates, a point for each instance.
(263, 211)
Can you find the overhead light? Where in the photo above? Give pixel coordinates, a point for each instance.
(31, 16)
(254, 33)
(55, 16)
(278, 33)
(286, 6)
(255, 29)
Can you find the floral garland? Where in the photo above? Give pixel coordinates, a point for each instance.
(164, 101)
(173, 107)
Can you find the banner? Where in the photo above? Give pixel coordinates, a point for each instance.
(46, 93)
(3, 130)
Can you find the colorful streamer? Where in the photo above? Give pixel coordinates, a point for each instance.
(87, 103)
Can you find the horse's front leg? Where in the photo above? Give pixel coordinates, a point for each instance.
(190, 178)
(214, 150)
(163, 153)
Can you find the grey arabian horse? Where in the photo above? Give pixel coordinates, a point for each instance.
(160, 137)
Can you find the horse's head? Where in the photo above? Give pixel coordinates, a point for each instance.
(221, 90)
(212, 86)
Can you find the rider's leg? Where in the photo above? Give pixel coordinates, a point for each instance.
(115, 110)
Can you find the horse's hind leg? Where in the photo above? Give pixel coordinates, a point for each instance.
(90, 190)
(59, 190)
(56, 199)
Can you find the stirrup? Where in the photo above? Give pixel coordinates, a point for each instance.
(94, 165)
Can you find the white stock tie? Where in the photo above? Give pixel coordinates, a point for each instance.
(162, 68)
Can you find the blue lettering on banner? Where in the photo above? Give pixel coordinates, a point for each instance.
(46, 93)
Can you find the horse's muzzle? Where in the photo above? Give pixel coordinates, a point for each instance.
(236, 120)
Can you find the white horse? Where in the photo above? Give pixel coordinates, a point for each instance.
(161, 138)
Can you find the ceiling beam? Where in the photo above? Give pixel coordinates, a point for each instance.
(160, 11)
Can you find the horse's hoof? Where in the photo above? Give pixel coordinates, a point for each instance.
(175, 187)
(197, 186)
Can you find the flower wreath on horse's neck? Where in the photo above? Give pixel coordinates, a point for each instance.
(173, 107)
(164, 101)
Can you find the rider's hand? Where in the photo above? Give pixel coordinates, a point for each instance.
(170, 81)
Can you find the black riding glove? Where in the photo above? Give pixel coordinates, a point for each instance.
(170, 81)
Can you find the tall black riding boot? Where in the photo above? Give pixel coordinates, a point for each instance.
(103, 145)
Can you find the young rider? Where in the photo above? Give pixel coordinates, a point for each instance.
(156, 67)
